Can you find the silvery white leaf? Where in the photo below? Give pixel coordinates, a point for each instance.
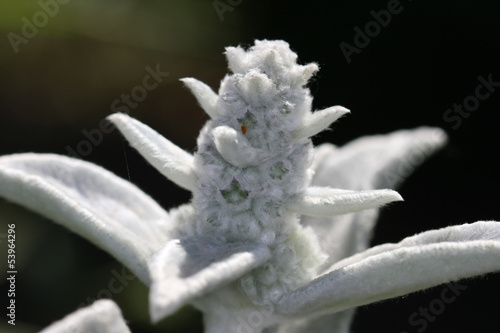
(381, 161)
(371, 162)
(205, 96)
(325, 201)
(318, 121)
(190, 267)
(173, 162)
(90, 201)
(416, 263)
(235, 148)
(102, 316)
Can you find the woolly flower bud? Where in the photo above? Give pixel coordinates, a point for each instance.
(275, 59)
(249, 164)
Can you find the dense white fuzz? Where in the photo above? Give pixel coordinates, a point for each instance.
(383, 160)
(173, 162)
(324, 201)
(422, 261)
(478, 231)
(254, 159)
(102, 316)
(90, 201)
(274, 58)
(318, 121)
(191, 267)
(235, 148)
(249, 164)
(205, 96)
(367, 163)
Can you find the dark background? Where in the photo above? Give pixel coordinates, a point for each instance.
(427, 58)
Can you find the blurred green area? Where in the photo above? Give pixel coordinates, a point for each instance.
(90, 52)
(62, 79)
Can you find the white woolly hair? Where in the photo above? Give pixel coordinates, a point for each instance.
(250, 162)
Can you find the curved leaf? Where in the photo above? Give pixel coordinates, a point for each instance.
(90, 201)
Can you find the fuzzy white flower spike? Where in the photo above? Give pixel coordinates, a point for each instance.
(102, 316)
(262, 233)
(254, 168)
(235, 148)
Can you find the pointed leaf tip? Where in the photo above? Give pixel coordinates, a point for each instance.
(318, 121)
(205, 96)
(235, 148)
(324, 201)
(172, 161)
(102, 316)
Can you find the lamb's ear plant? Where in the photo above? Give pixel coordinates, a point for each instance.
(276, 229)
